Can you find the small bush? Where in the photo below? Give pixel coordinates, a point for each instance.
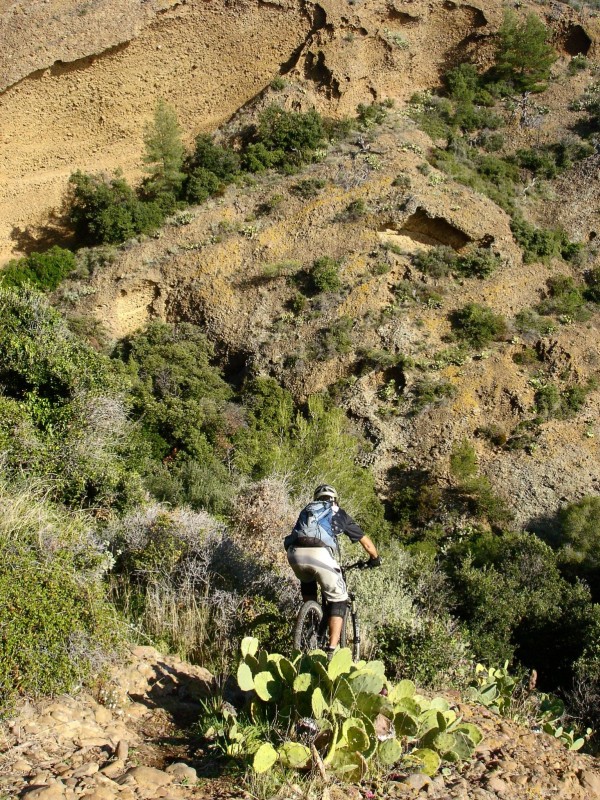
(541, 244)
(42, 271)
(579, 540)
(564, 299)
(370, 115)
(592, 292)
(107, 211)
(201, 184)
(530, 323)
(283, 140)
(426, 392)
(221, 161)
(463, 460)
(278, 83)
(353, 211)
(308, 188)
(325, 275)
(478, 325)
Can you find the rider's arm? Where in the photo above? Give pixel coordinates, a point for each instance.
(366, 542)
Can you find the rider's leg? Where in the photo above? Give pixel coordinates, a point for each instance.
(335, 630)
(336, 620)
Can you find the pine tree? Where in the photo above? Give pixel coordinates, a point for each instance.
(524, 57)
(164, 152)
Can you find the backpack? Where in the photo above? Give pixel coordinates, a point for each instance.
(314, 525)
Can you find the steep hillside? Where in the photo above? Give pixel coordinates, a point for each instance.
(90, 82)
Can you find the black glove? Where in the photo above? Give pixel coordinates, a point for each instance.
(374, 562)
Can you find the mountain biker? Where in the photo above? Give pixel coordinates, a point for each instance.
(313, 558)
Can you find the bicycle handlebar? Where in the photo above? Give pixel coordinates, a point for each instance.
(357, 565)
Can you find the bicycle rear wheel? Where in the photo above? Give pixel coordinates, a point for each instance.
(308, 632)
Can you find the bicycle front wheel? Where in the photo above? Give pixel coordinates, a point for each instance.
(308, 629)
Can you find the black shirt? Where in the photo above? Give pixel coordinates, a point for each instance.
(341, 522)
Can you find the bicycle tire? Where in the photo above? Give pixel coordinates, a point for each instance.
(307, 635)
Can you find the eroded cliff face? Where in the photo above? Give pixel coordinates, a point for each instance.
(82, 77)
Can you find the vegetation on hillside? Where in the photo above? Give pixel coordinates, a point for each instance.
(141, 486)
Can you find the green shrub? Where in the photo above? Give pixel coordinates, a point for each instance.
(541, 244)
(283, 140)
(62, 415)
(107, 211)
(57, 628)
(529, 322)
(42, 271)
(463, 460)
(427, 391)
(201, 184)
(370, 115)
(176, 393)
(221, 161)
(325, 275)
(278, 83)
(478, 325)
(429, 652)
(592, 292)
(509, 592)
(353, 211)
(308, 188)
(564, 299)
(334, 340)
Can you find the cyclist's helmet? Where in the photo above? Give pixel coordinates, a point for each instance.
(325, 492)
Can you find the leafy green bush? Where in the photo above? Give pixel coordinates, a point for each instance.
(578, 540)
(57, 628)
(541, 244)
(107, 211)
(176, 393)
(529, 322)
(325, 275)
(201, 184)
(283, 140)
(463, 460)
(427, 391)
(509, 591)
(62, 417)
(592, 292)
(308, 188)
(478, 325)
(474, 262)
(221, 161)
(42, 271)
(429, 652)
(565, 298)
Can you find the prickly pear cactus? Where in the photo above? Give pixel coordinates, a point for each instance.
(348, 716)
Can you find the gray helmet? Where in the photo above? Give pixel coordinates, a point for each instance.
(325, 492)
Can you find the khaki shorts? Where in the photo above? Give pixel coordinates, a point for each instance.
(317, 564)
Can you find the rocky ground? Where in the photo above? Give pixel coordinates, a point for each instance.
(132, 739)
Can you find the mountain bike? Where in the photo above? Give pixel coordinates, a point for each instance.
(311, 631)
